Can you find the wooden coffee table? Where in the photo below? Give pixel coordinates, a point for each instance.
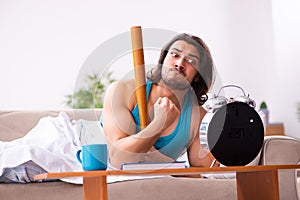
(252, 182)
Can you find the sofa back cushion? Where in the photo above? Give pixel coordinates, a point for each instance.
(15, 124)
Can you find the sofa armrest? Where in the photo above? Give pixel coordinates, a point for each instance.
(280, 150)
(283, 150)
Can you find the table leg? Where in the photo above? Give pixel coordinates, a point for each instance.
(257, 185)
(95, 188)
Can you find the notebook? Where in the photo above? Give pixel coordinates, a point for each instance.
(153, 165)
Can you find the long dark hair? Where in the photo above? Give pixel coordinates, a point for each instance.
(205, 76)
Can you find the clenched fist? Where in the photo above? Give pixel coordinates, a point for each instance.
(165, 111)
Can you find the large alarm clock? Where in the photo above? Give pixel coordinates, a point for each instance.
(233, 129)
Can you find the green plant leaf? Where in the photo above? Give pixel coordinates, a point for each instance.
(263, 105)
(92, 95)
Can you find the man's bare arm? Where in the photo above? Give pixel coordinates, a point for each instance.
(119, 125)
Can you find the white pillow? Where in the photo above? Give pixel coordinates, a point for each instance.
(89, 132)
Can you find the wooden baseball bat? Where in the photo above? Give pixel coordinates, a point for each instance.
(139, 73)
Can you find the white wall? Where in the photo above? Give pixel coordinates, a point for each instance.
(43, 45)
(284, 91)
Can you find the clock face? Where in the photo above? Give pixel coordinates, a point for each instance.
(235, 134)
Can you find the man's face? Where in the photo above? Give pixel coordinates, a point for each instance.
(180, 65)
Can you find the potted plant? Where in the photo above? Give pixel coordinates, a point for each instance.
(263, 107)
(92, 95)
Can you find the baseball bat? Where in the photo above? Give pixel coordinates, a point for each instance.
(139, 73)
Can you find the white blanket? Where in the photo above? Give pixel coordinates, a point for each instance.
(52, 144)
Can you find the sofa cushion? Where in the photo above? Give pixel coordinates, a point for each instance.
(158, 189)
(38, 191)
(15, 124)
(174, 188)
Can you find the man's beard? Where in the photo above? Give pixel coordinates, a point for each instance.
(173, 79)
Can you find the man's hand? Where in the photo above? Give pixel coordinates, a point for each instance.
(165, 111)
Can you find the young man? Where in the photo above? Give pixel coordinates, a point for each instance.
(176, 91)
